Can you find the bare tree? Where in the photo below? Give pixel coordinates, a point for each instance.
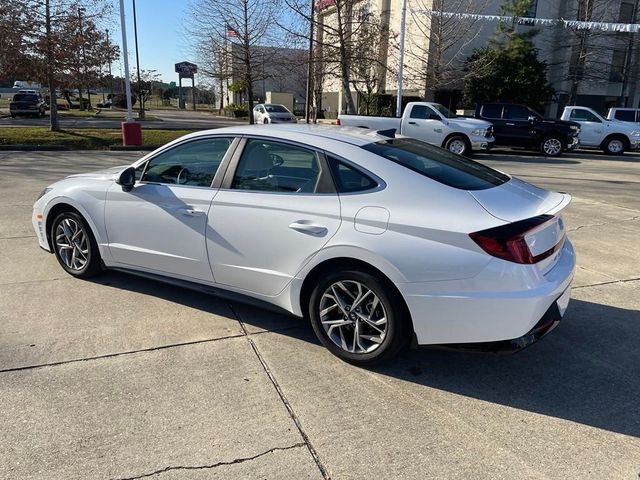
(445, 42)
(246, 24)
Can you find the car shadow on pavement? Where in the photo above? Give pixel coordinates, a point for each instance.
(586, 371)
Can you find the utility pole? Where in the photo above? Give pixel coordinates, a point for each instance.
(403, 23)
(135, 34)
(123, 28)
(307, 109)
(81, 10)
(109, 58)
(54, 125)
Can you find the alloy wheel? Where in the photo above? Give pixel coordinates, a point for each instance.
(353, 316)
(72, 244)
(552, 146)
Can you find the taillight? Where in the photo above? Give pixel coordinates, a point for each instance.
(508, 241)
(338, 122)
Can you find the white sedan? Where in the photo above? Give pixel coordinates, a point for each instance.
(381, 242)
(273, 113)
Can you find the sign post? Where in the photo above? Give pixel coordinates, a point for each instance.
(186, 70)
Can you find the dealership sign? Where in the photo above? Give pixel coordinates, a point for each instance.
(186, 69)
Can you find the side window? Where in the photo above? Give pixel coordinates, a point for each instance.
(581, 115)
(349, 179)
(276, 167)
(194, 163)
(492, 111)
(625, 115)
(516, 112)
(420, 111)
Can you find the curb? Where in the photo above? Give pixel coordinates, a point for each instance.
(63, 148)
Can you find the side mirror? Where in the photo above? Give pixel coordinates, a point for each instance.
(127, 179)
(532, 119)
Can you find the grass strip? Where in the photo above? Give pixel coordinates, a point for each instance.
(82, 139)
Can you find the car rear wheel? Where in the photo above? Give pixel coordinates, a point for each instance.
(74, 245)
(552, 147)
(614, 146)
(358, 317)
(458, 144)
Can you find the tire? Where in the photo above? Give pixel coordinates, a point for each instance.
(614, 145)
(377, 342)
(74, 245)
(552, 147)
(458, 144)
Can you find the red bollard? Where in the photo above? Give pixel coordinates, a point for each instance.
(131, 134)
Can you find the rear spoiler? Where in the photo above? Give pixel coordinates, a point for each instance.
(566, 200)
(389, 132)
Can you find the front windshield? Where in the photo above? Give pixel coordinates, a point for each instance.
(276, 109)
(444, 111)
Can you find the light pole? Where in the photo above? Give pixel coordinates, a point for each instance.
(131, 132)
(135, 35)
(307, 107)
(109, 59)
(403, 23)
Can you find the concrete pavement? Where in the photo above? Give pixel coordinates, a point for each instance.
(122, 377)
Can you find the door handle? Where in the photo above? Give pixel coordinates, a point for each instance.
(191, 212)
(305, 226)
(412, 123)
(510, 124)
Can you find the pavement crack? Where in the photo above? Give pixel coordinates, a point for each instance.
(604, 224)
(118, 354)
(294, 417)
(635, 279)
(213, 465)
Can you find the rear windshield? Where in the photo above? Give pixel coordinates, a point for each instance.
(440, 165)
(626, 115)
(25, 97)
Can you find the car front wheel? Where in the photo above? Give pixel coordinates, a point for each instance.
(459, 145)
(358, 317)
(74, 245)
(614, 146)
(552, 147)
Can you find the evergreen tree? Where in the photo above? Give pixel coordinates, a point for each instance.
(508, 68)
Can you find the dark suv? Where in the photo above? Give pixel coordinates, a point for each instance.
(519, 126)
(27, 104)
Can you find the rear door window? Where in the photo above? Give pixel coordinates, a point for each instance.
(516, 112)
(438, 164)
(491, 111)
(626, 115)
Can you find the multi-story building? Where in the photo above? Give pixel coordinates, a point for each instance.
(590, 66)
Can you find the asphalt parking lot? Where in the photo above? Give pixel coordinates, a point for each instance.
(123, 378)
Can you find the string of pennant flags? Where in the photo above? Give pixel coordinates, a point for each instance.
(573, 24)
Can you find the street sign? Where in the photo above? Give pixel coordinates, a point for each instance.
(186, 69)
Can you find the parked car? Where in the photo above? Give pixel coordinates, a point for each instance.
(27, 104)
(380, 241)
(612, 136)
(624, 114)
(273, 113)
(432, 123)
(519, 126)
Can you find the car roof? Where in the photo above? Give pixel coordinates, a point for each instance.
(302, 132)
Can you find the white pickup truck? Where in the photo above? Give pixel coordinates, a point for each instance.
(432, 123)
(612, 136)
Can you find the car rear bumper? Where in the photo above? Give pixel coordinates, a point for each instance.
(478, 314)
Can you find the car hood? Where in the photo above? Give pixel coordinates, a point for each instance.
(106, 174)
(470, 123)
(516, 200)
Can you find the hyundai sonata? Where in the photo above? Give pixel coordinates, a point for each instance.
(381, 242)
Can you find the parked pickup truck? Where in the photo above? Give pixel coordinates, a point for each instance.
(27, 104)
(612, 136)
(518, 126)
(432, 123)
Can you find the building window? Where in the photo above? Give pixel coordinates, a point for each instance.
(617, 66)
(626, 12)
